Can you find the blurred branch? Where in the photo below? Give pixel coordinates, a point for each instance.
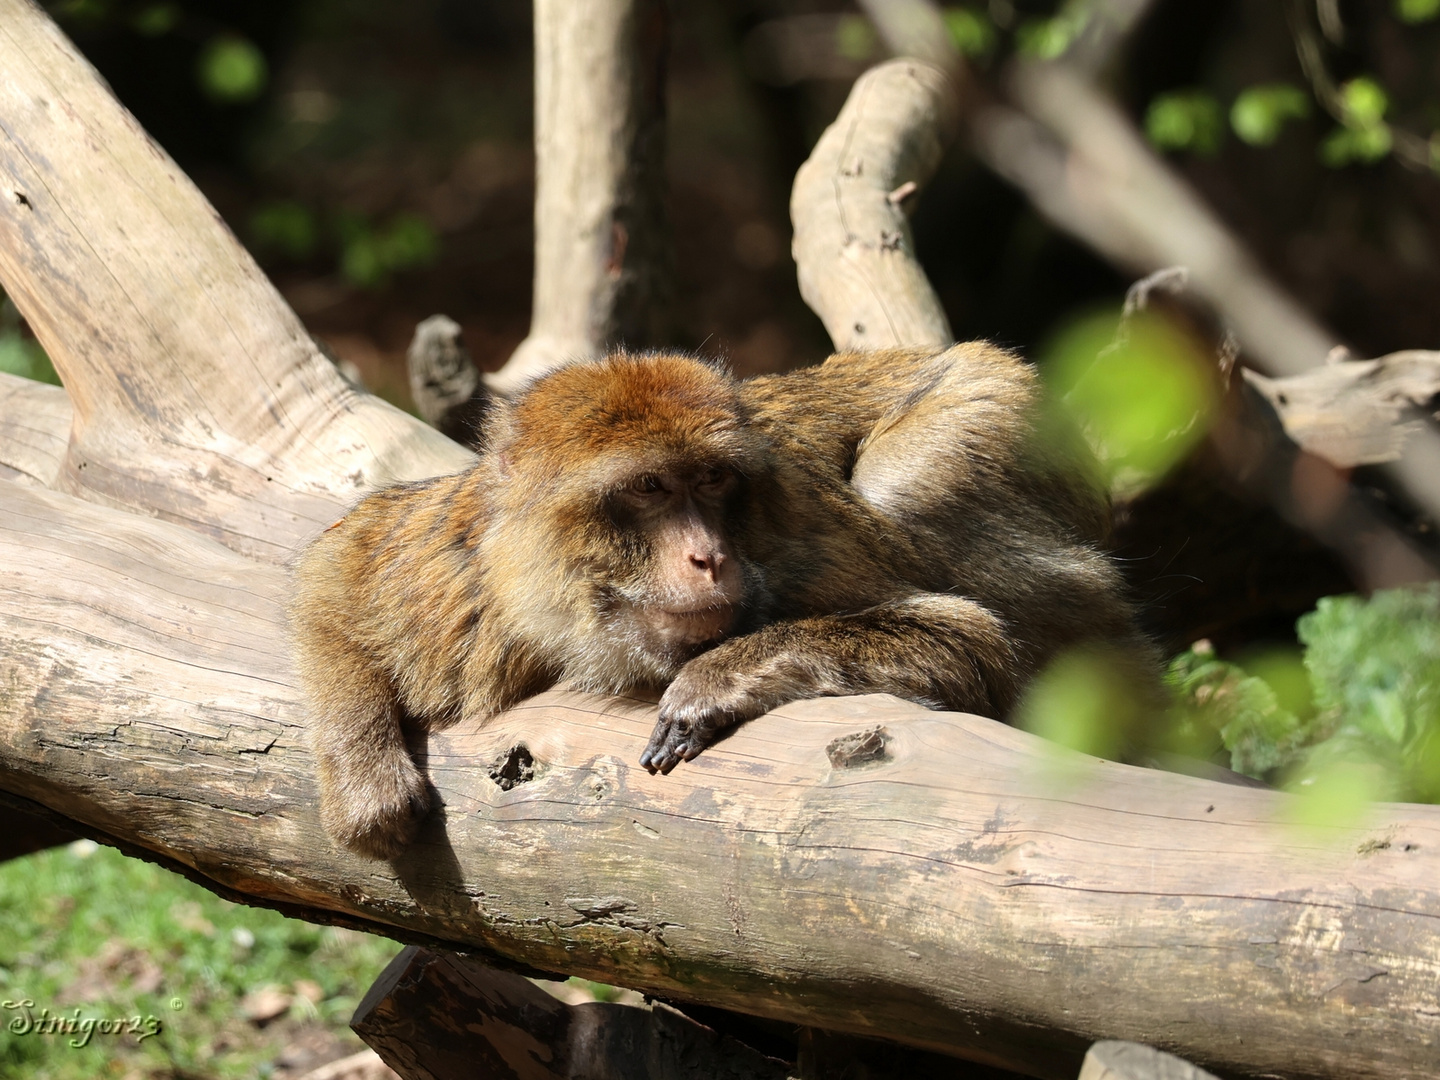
(1411, 150)
(1109, 25)
(1087, 169)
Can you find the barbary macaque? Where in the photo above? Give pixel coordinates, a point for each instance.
(884, 522)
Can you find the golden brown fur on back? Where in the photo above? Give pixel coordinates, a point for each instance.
(881, 522)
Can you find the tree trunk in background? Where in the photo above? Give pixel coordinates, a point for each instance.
(602, 245)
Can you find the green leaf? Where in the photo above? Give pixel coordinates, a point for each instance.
(1045, 39)
(1244, 710)
(1375, 668)
(1261, 111)
(972, 31)
(1347, 144)
(1081, 701)
(409, 242)
(854, 38)
(1417, 11)
(232, 69)
(1365, 102)
(1185, 120)
(1142, 398)
(286, 227)
(156, 19)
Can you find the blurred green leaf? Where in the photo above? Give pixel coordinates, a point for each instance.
(409, 242)
(232, 69)
(83, 11)
(972, 31)
(1142, 397)
(1185, 120)
(370, 255)
(1247, 713)
(1375, 668)
(1045, 39)
(1335, 790)
(1417, 11)
(1261, 111)
(156, 19)
(286, 227)
(855, 38)
(1346, 144)
(1082, 702)
(1364, 100)
(21, 354)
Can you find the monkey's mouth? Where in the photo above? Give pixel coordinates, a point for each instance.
(692, 626)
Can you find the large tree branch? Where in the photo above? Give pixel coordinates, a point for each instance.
(1000, 898)
(182, 362)
(853, 250)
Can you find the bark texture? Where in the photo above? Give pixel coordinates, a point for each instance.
(601, 245)
(854, 252)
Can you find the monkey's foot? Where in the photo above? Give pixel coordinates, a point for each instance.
(379, 816)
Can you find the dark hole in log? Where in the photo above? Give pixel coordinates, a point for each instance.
(515, 766)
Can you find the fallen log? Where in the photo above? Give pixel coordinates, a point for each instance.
(858, 865)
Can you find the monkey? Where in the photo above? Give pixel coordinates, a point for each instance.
(886, 522)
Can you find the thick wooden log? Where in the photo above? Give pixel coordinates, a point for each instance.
(436, 1016)
(971, 890)
(197, 394)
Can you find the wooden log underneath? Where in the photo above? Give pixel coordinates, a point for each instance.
(438, 1016)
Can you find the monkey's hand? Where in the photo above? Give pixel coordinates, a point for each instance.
(714, 691)
(373, 808)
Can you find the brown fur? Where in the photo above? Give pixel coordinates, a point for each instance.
(892, 525)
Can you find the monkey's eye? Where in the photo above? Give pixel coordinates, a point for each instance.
(713, 480)
(647, 485)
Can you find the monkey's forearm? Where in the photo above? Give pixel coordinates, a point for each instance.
(939, 650)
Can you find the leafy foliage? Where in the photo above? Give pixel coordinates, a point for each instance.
(1360, 715)
(1185, 120)
(86, 929)
(21, 354)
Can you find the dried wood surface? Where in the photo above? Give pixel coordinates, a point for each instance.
(601, 245)
(854, 253)
(196, 391)
(971, 890)
(1357, 412)
(516, 1030)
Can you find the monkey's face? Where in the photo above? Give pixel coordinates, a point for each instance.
(678, 584)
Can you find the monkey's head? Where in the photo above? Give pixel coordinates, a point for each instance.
(618, 490)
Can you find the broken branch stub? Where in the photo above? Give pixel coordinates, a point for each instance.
(854, 254)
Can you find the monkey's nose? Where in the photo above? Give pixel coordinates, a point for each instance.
(708, 563)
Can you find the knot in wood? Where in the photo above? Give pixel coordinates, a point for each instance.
(861, 748)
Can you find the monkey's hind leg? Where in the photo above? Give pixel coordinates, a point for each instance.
(372, 797)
